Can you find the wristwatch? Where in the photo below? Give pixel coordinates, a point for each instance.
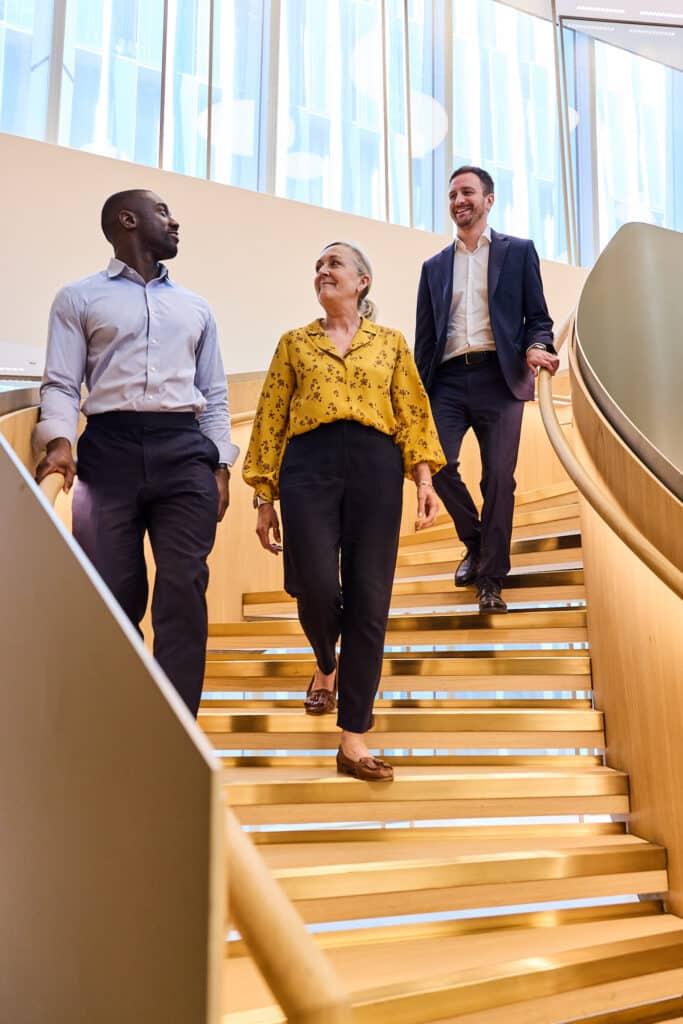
(225, 466)
(261, 501)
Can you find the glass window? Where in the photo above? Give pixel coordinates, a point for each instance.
(111, 85)
(25, 40)
(637, 119)
(187, 87)
(626, 116)
(397, 114)
(238, 119)
(330, 131)
(505, 117)
(428, 116)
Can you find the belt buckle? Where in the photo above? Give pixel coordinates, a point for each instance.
(467, 359)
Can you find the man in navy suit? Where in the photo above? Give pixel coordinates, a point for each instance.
(482, 332)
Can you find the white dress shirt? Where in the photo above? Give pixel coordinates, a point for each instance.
(140, 347)
(469, 324)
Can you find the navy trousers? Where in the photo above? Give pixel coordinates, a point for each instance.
(341, 489)
(477, 396)
(152, 472)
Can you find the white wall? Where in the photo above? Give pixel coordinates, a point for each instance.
(250, 254)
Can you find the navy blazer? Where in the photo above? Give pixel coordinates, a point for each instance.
(517, 308)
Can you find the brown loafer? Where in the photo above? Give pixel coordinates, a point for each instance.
(369, 769)
(320, 702)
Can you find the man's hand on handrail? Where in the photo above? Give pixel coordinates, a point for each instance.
(538, 359)
(58, 459)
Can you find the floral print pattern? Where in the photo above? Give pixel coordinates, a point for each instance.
(308, 383)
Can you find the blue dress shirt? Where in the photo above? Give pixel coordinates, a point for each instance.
(139, 347)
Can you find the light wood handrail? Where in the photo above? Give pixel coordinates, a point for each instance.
(51, 486)
(562, 333)
(596, 497)
(296, 970)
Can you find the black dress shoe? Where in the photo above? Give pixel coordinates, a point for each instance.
(466, 572)
(489, 597)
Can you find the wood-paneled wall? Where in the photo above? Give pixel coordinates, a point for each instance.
(635, 628)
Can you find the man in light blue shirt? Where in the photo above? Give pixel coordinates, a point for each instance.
(156, 451)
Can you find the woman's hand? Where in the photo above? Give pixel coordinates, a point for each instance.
(266, 521)
(427, 505)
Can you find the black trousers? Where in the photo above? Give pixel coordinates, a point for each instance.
(477, 396)
(341, 488)
(152, 472)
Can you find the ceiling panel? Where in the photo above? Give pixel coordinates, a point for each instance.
(655, 12)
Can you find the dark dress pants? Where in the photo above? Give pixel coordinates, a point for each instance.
(477, 396)
(152, 472)
(341, 488)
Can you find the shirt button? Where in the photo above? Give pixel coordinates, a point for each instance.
(152, 369)
(153, 341)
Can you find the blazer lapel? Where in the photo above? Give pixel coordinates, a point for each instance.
(497, 254)
(446, 289)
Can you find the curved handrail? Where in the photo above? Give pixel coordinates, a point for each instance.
(612, 514)
(51, 486)
(300, 977)
(294, 967)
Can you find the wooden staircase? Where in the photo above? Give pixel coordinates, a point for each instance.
(495, 879)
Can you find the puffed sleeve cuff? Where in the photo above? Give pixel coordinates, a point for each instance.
(436, 460)
(262, 489)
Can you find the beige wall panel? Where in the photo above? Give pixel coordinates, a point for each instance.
(635, 629)
(250, 254)
(112, 885)
(652, 508)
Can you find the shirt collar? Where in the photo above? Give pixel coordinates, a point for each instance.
(485, 235)
(116, 268)
(365, 333)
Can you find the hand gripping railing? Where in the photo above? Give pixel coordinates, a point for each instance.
(295, 969)
(605, 506)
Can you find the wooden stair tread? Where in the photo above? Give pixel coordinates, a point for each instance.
(569, 540)
(553, 517)
(285, 775)
(437, 849)
(518, 581)
(458, 624)
(424, 785)
(489, 957)
(420, 720)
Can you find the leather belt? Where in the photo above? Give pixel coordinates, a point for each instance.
(473, 358)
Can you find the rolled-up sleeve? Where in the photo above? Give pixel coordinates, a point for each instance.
(214, 419)
(60, 392)
(262, 462)
(416, 434)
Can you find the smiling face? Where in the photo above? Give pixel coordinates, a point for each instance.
(151, 220)
(337, 280)
(468, 205)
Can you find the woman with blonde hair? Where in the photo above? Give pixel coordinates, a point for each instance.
(341, 418)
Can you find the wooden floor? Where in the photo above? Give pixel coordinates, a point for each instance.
(495, 879)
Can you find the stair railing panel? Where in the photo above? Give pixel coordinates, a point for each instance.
(112, 893)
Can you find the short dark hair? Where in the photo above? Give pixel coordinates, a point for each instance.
(113, 206)
(484, 177)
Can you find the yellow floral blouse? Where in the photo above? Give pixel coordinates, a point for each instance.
(309, 383)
